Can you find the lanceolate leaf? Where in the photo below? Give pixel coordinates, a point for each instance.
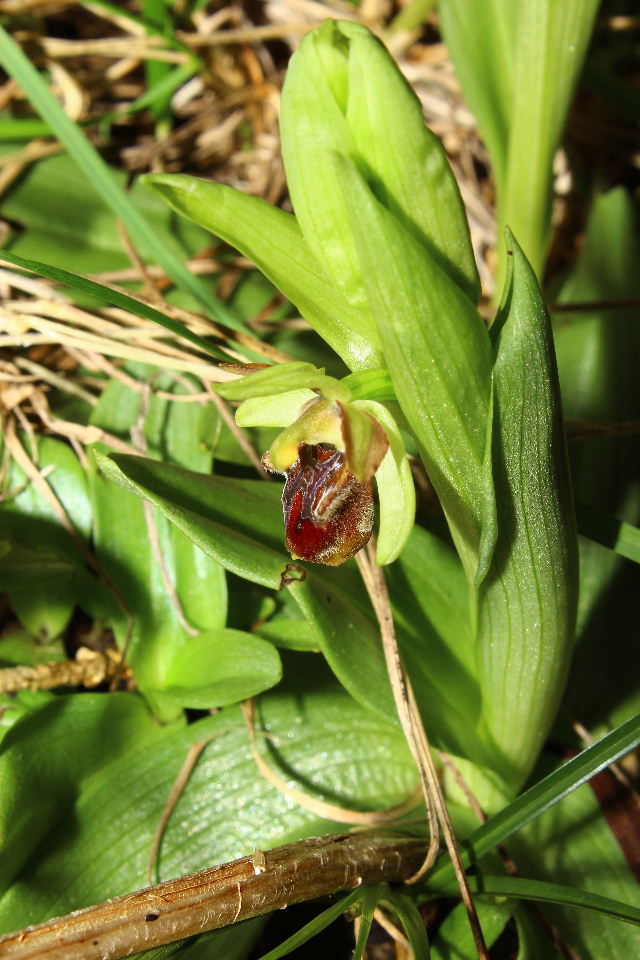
(518, 64)
(438, 354)
(273, 240)
(527, 602)
(219, 515)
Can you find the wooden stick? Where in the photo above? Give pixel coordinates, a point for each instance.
(220, 896)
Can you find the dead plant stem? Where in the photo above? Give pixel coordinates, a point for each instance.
(419, 744)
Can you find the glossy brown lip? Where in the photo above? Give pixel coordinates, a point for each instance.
(328, 512)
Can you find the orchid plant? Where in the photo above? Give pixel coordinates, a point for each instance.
(378, 259)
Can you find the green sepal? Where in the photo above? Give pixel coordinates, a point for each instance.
(280, 378)
(396, 491)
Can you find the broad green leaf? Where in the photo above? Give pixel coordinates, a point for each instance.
(338, 73)
(402, 159)
(29, 518)
(290, 634)
(598, 362)
(19, 563)
(454, 940)
(93, 167)
(551, 40)
(48, 755)
(221, 667)
(437, 352)
(273, 240)
(21, 648)
(61, 219)
(527, 601)
(45, 609)
(97, 843)
(124, 535)
(482, 41)
(349, 638)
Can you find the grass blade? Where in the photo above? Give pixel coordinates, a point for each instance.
(544, 795)
(621, 537)
(115, 298)
(541, 891)
(98, 173)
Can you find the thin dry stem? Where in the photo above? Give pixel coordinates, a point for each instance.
(327, 811)
(413, 727)
(193, 755)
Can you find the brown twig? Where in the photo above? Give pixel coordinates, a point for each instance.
(219, 896)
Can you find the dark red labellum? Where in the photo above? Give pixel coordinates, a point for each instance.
(328, 513)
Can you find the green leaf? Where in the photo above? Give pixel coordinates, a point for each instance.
(29, 518)
(454, 940)
(314, 927)
(551, 41)
(621, 537)
(61, 219)
(338, 73)
(273, 240)
(114, 297)
(527, 601)
(45, 609)
(282, 378)
(597, 359)
(19, 563)
(412, 923)
(94, 168)
(518, 64)
(48, 755)
(403, 161)
(437, 352)
(592, 866)
(95, 842)
(482, 42)
(225, 518)
(542, 796)
(221, 667)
